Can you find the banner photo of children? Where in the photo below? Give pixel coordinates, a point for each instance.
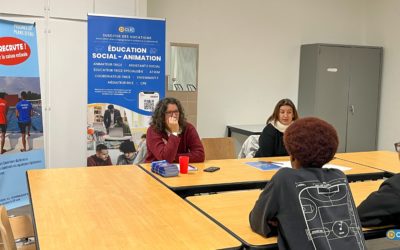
(115, 135)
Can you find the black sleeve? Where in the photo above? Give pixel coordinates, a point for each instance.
(266, 143)
(264, 210)
(383, 206)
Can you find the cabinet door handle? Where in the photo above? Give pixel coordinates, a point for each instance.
(352, 109)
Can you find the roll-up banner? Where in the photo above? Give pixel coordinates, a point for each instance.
(21, 125)
(126, 79)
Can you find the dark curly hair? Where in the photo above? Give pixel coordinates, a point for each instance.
(127, 147)
(283, 102)
(311, 141)
(158, 117)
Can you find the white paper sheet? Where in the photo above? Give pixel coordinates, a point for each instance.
(287, 164)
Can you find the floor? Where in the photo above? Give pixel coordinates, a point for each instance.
(376, 244)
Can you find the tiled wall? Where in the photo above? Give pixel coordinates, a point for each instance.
(189, 103)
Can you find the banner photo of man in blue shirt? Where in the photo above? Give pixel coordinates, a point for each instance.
(24, 113)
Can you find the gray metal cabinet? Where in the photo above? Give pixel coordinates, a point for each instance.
(341, 84)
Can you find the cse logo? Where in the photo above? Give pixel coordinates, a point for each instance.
(393, 234)
(127, 29)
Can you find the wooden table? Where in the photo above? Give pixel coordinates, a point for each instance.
(116, 208)
(231, 210)
(252, 129)
(235, 174)
(383, 160)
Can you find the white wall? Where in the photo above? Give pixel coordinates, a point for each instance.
(67, 100)
(382, 21)
(62, 45)
(23, 7)
(249, 50)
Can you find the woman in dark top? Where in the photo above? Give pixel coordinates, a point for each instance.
(271, 139)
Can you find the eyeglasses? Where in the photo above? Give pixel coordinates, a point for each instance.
(170, 113)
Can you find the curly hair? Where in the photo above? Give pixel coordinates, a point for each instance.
(311, 141)
(283, 102)
(158, 117)
(127, 147)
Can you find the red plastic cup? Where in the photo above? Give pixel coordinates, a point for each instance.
(183, 164)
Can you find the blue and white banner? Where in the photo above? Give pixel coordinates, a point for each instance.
(21, 125)
(126, 79)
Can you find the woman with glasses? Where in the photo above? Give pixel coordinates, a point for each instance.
(170, 135)
(271, 138)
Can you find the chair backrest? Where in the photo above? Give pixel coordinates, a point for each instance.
(21, 227)
(141, 153)
(219, 148)
(15, 228)
(397, 147)
(249, 147)
(6, 231)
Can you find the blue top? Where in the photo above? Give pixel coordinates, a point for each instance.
(24, 108)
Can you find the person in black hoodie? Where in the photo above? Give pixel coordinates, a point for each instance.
(310, 207)
(382, 208)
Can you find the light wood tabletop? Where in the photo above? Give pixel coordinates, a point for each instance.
(237, 171)
(384, 160)
(116, 208)
(231, 209)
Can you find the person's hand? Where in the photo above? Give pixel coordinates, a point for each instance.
(173, 124)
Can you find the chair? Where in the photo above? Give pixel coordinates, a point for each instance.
(397, 146)
(190, 87)
(178, 87)
(15, 228)
(141, 153)
(249, 147)
(219, 148)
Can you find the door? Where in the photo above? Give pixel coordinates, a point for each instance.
(332, 89)
(365, 66)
